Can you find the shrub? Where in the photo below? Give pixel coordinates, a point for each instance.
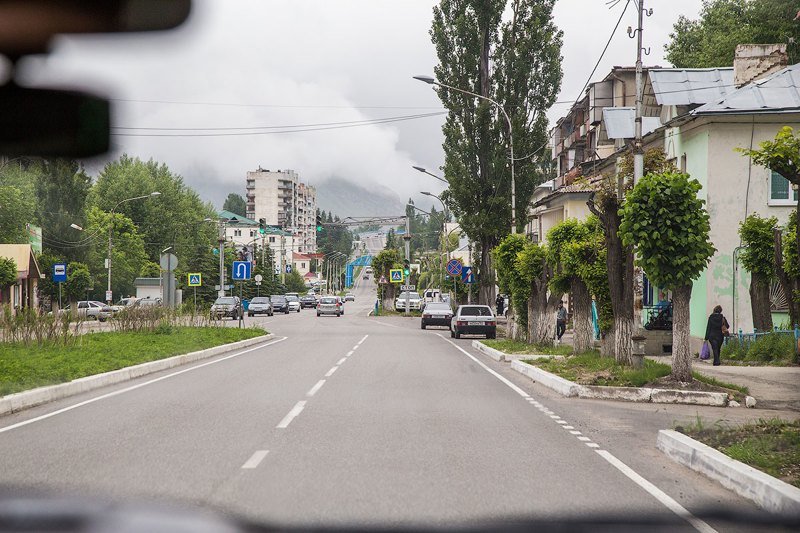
(769, 348)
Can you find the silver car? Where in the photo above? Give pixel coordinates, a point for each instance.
(260, 305)
(90, 309)
(330, 305)
(294, 302)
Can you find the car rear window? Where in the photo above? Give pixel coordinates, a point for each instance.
(259, 300)
(437, 306)
(475, 311)
(227, 301)
(278, 298)
(328, 301)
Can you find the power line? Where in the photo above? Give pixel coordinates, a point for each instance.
(275, 106)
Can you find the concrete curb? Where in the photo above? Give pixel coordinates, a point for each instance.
(628, 394)
(31, 398)
(497, 355)
(768, 492)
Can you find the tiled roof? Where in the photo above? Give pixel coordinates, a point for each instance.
(777, 93)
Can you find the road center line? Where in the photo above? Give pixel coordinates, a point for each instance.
(315, 388)
(255, 459)
(657, 493)
(348, 354)
(363, 338)
(331, 371)
(342, 360)
(296, 410)
(654, 491)
(137, 386)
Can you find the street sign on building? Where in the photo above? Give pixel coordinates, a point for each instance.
(241, 270)
(466, 275)
(195, 279)
(408, 287)
(59, 272)
(396, 275)
(288, 269)
(454, 267)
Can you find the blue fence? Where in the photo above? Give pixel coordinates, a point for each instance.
(747, 338)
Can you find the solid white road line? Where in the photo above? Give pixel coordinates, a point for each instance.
(315, 388)
(489, 370)
(342, 360)
(654, 491)
(137, 386)
(255, 459)
(331, 371)
(296, 410)
(657, 493)
(348, 354)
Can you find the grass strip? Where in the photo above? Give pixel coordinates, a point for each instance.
(592, 369)
(772, 446)
(714, 381)
(513, 346)
(28, 367)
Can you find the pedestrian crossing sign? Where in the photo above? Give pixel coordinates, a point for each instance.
(396, 275)
(195, 279)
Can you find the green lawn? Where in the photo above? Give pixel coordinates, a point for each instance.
(392, 312)
(512, 346)
(772, 446)
(27, 367)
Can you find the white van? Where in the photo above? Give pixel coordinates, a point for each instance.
(432, 295)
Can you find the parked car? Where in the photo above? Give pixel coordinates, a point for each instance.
(294, 302)
(230, 306)
(349, 297)
(341, 302)
(279, 303)
(414, 301)
(125, 303)
(473, 320)
(309, 300)
(330, 305)
(148, 302)
(260, 305)
(436, 314)
(431, 295)
(90, 309)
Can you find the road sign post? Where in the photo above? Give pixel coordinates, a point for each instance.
(59, 276)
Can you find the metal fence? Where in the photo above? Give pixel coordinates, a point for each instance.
(747, 338)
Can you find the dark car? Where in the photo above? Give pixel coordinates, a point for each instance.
(230, 306)
(473, 320)
(308, 300)
(280, 304)
(436, 314)
(260, 305)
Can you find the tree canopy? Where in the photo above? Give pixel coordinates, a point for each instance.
(235, 204)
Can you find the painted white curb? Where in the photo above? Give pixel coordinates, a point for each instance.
(558, 384)
(768, 492)
(497, 355)
(31, 398)
(628, 394)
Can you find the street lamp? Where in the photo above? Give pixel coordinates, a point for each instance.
(431, 81)
(75, 226)
(111, 231)
(428, 173)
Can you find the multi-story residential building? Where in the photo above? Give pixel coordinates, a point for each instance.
(243, 232)
(283, 201)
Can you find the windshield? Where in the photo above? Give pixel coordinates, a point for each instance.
(585, 200)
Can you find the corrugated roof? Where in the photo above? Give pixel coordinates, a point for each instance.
(619, 122)
(237, 219)
(686, 86)
(777, 93)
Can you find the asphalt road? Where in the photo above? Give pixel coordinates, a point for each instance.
(361, 420)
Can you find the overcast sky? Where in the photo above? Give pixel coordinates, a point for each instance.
(267, 63)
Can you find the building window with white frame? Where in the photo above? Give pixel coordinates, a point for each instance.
(781, 191)
(272, 239)
(237, 233)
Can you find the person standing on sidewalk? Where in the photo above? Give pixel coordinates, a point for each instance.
(499, 303)
(561, 321)
(716, 330)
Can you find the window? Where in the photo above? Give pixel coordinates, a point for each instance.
(779, 188)
(252, 233)
(237, 233)
(272, 239)
(302, 265)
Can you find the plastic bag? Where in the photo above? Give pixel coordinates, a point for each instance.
(705, 351)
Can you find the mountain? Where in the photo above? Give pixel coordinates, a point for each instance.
(347, 199)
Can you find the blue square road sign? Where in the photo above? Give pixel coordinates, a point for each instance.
(241, 270)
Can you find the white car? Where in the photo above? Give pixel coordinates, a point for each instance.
(414, 301)
(124, 304)
(89, 309)
(294, 302)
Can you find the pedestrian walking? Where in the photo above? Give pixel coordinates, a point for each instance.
(499, 303)
(716, 330)
(561, 321)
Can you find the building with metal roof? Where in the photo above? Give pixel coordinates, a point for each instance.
(776, 93)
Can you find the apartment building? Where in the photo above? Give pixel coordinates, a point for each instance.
(283, 201)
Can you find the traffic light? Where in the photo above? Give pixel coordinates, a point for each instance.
(262, 225)
(319, 223)
(406, 268)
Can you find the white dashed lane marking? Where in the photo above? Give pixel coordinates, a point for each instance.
(255, 459)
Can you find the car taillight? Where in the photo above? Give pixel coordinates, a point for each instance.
(461, 322)
(490, 323)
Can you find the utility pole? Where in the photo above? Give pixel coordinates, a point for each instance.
(407, 241)
(110, 231)
(283, 257)
(638, 151)
(221, 239)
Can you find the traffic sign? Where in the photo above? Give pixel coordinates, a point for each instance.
(59, 272)
(259, 278)
(454, 267)
(408, 287)
(288, 269)
(241, 270)
(466, 275)
(396, 275)
(109, 296)
(382, 280)
(168, 262)
(277, 270)
(195, 279)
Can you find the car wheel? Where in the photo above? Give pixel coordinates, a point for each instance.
(456, 334)
(490, 335)
(317, 314)
(249, 314)
(298, 309)
(338, 314)
(452, 334)
(286, 312)
(422, 325)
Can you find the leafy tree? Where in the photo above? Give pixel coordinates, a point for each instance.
(512, 283)
(711, 40)
(16, 210)
(567, 277)
(128, 255)
(79, 281)
(391, 241)
(669, 225)
(8, 272)
(524, 51)
(235, 204)
(294, 282)
(381, 264)
(783, 156)
(758, 258)
(535, 271)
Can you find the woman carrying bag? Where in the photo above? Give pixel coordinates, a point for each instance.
(716, 330)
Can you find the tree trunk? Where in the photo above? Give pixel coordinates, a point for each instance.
(607, 343)
(681, 347)
(532, 316)
(759, 302)
(486, 279)
(583, 332)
